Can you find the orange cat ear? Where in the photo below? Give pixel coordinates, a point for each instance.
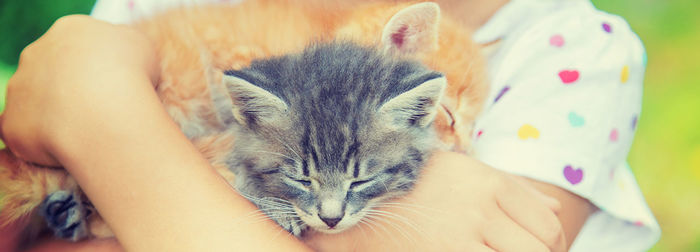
(412, 30)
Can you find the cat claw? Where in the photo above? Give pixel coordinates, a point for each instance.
(66, 215)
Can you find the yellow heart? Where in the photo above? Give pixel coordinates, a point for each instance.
(528, 131)
(621, 185)
(625, 74)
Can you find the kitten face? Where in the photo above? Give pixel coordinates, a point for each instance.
(331, 184)
(324, 135)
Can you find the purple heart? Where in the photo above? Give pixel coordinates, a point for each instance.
(503, 91)
(574, 176)
(634, 122)
(607, 27)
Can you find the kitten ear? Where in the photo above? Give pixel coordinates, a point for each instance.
(415, 107)
(412, 30)
(252, 104)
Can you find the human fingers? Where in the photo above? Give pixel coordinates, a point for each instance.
(551, 202)
(18, 127)
(479, 247)
(523, 204)
(504, 235)
(55, 74)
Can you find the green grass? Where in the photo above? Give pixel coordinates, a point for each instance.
(5, 73)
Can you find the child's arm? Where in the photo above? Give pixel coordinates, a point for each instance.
(82, 97)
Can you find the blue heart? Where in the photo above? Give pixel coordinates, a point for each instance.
(576, 120)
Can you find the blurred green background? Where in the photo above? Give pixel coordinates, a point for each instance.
(666, 153)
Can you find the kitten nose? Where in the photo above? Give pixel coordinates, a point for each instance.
(331, 222)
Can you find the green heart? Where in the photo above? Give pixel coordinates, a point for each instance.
(576, 120)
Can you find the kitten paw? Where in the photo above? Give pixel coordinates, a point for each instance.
(294, 226)
(66, 215)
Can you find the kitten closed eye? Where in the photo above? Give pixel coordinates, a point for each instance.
(355, 184)
(306, 183)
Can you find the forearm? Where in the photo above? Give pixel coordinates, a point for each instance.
(83, 97)
(149, 183)
(143, 175)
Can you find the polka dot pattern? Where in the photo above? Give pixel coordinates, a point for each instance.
(625, 74)
(573, 175)
(500, 94)
(528, 131)
(614, 134)
(567, 102)
(556, 40)
(607, 28)
(569, 75)
(576, 120)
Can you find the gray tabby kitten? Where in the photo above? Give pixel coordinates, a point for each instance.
(323, 135)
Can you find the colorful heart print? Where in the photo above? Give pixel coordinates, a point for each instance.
(576, 120)
(568, 76)
(606, 27)
(614, 134)
(574, 176)
(528, 131)
(625, 74)
(500, 94)
(556, 40)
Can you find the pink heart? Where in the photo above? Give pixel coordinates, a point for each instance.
(478, 134)
(556, 40)
(568, 76)
(574, 176)
(613, 135)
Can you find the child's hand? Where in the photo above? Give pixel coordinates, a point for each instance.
(459, 204)
(55, 72)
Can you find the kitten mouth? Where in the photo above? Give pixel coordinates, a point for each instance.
(327, 230)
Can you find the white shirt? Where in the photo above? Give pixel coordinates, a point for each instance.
(563, 109)
(564, 103)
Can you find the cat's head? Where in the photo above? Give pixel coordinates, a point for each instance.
(332, 130)
(419, 31)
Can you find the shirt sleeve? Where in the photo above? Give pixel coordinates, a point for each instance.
(564, 107)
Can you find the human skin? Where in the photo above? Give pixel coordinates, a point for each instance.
(154, 157)
(96, 114)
